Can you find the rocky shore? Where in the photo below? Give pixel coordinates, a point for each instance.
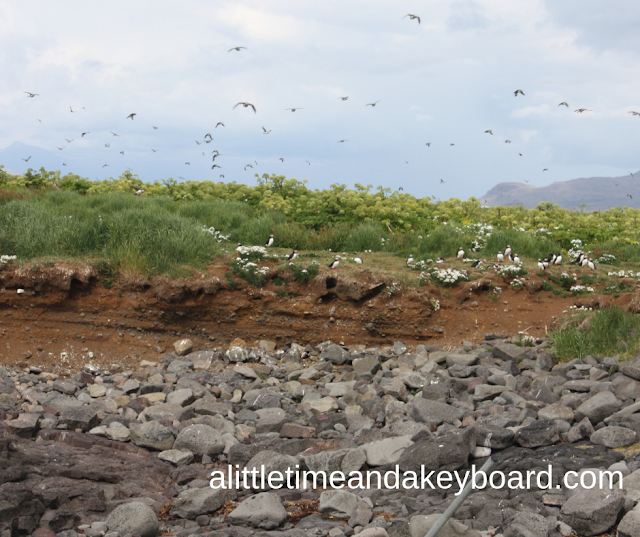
(119, 453)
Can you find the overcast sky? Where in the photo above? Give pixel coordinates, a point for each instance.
(444, 81)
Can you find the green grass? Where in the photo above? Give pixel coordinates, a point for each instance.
(610, 332)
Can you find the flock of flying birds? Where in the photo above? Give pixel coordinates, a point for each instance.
(208, 138)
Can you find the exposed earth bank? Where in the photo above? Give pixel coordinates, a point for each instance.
(63, 316)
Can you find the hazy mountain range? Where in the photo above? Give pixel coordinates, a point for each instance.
(593, 193)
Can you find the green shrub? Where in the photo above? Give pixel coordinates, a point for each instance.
(306, 273)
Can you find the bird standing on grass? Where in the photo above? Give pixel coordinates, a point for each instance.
(269, 242)
(460, 253)
(507, 252)
(358, 260)
(500, 257)
(410, 260)
(591, 264)
(541, 265)
(516, 259)
(476, 264)
(292, 256)
(334, 264)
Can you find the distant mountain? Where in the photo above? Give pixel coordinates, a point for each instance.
(595, 193)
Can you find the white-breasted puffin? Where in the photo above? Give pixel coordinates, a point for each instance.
(334, 264)
(292, 256)
(269, 241)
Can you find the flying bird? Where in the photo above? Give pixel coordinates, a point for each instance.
(107, 145)
(309, 163)
(372, 104)
(237, 49)
(281, 159)
(341, 141)
(114, 133)
(442, 181)
(188, 163)
(564, 103)
(451, 145)
(507, 141)
(104, 165)
(154, 150)
(344, 98)
(635, 113)
(155, 128)
(293, 109)
(84, 133)
(265, 131)
(71, 110)
(546, 170)
(488, 131)
(246, 105)
(412, 17)
(131, 116)
(428, 144)
(518, 91)
(69, 141)
(60, 148)
(27, 159)
(31, 95)
(218, 124)
(199, 143)
(215, 166)
(122, 152)
(580, 110)
(208, 135)
(222, 175)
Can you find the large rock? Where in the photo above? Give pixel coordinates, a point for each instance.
(262, 511)
(200, 439)
(153, 435)
(135, 518)
(386, 451)
(598, 407)
(419, 526)
(537, 434)
(493, 436)
(449, 451)
(592, 512)
(81, 417)
(525, 524)
(201, 501)
(367, 365)
(614, 437)
(183, 347)
(273, 462)
(338, 503)
(335, 354)
(508, 351)
(630, 524)
(428, 411)
(556, 412)
(579, 431)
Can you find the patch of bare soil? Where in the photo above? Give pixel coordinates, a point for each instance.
(65, 317)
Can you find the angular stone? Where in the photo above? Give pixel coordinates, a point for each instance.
(367, 365)
(630, 524)
(175, 456)
(338, 503)
(419, 526)
(25, 426)
(537, 434)
(427, 411)
(81, 417)
(508, 351)
(556, 412)
(181, 397)
(387, 451)
(335, 354)
(295, 430)
(493, 436)
(598, 407)
(183, 347)
(449, 451)
(465, 360)
(580, 431)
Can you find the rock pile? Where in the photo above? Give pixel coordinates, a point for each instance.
(132, 453)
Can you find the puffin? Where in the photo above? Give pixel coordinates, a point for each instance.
(440, 260)
(515, 259)
(591, 264)
(292, 256)
(358, 260)
(507, 252)
(541, 265)
(476, 264)
(410, 260)
(460, 253)
(334, 264)
(269, 241)
(558, 260)
(500, 257)
(585, 261)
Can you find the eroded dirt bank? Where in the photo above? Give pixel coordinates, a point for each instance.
(65, 315)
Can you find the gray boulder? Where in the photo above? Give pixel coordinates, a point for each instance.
(592, 512)
(201, 439)
(630, 524)
(335, 354)
(201, 501)
(135, 518)
(262, 511)
(493, 436)
(386, 451)
(614, 437)
(449, 451)
(539, 433)
(428, 411)
(525, 524)
(153, 435)
(338, 503)
(579, 431)
(598, 407)
(81, 417)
